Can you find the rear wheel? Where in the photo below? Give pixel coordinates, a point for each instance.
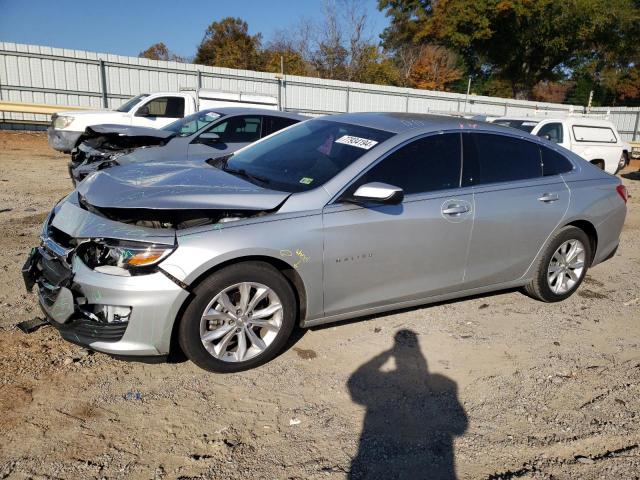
(240, 317)
(622, 162)
(562, 267)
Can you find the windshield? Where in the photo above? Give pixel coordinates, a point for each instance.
(305, 155)
(129, 104)
(524, 125)
(191, 124)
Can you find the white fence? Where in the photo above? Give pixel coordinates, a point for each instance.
(55, 76)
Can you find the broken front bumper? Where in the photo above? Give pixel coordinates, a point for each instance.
(70, 296)
(62, 140)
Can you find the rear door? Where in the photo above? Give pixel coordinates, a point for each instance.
(380, 254)
(273, 124)
(234, 132)
(517, 207)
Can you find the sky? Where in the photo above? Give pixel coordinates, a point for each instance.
(128, 27)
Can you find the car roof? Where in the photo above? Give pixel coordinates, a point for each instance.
(256, 111)
(417, 122)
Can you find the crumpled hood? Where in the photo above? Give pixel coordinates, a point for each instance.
(128, 131)
(171, 186)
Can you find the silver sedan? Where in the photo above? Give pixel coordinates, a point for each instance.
(329, 219)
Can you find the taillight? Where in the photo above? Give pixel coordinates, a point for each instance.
(622, 191)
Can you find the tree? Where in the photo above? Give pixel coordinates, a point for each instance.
(159, 51)
(227, 43)
(522, 42)
(553, 92)
(435, 68)
(282, 49)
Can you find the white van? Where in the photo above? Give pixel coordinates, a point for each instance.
(597, 141)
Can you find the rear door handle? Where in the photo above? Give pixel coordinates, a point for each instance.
(548, 197)
(455, 209)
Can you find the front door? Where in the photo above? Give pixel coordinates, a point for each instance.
(159, 112)
(381, 254)
(234, 133)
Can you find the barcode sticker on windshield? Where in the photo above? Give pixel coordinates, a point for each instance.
(364, 143)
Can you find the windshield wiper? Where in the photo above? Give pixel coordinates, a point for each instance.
(222, 164)
(243, 173)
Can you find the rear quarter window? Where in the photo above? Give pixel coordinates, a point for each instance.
(584, 133)
(554, 163)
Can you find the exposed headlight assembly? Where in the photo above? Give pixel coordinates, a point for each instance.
(61, 122)
(134, 256)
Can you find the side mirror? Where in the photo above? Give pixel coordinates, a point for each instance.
(143, 111)
(378, 192)
(209, 137)
(548, 137)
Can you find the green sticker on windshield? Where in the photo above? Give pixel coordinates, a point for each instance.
(306, 180)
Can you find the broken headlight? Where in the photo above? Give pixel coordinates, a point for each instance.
(123, 255)
(61, 122)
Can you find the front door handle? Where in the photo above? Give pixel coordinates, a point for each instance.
(548, 197)
(455, 209)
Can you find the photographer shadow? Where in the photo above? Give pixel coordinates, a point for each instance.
(412, 416)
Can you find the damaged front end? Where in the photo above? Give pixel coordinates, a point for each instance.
(99, 270)
(100, 146)
(91, 287)
(49, 268)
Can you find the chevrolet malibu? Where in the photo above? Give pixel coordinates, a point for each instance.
(329, 219)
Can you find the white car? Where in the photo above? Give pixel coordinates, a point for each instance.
(595, 140)
(155, 110)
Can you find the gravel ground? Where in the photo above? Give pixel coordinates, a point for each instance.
(494, 387)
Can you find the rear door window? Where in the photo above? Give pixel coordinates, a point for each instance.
(273, 124)
(424, 165)
(491, 158)
(240, 129)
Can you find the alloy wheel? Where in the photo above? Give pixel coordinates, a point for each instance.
(241, 321)
(566, 266)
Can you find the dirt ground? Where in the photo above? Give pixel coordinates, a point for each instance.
(495, 387)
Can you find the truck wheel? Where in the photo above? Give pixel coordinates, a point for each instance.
(562, 266)
(241, 317)
(622, 162)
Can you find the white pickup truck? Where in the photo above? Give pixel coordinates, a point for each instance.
(148, 110)
(595, 140)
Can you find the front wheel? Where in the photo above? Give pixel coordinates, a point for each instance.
(241, 317)
(562, 267)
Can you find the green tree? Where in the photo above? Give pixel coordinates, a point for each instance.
(227, 43)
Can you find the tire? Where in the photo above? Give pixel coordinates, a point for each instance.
(542, 286)
(622, 163)
(242, 350)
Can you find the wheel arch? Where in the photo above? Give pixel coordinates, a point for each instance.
(588, 228)
(288, 272)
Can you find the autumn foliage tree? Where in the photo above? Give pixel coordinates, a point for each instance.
(159, 51)
(521, 43)
(435, 68)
